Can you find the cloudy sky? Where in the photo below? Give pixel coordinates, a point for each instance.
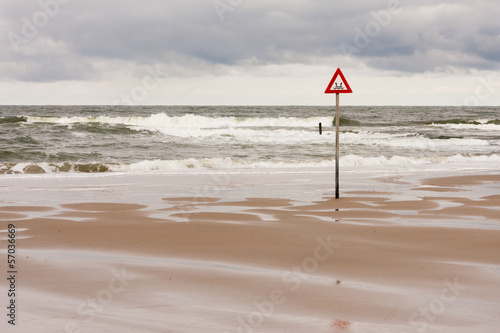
(264, 52)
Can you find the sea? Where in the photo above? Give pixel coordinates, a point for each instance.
(162, 139)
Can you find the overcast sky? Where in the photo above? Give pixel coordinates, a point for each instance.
(264, 52)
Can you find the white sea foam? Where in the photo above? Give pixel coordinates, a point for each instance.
(211, 163)
(284, 136)
(345, 161)
(281, 130)
(405, 140)
(479, 127)
(233, 164)
(162, 121)
(260, 130)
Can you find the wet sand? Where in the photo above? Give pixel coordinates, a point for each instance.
(427, 260)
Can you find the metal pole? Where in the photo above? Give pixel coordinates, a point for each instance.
(337, 124)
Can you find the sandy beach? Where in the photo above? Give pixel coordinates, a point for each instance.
(393, 254)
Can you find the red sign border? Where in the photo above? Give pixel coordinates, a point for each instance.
(329, 88)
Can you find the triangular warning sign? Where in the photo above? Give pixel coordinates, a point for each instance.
(338, 84)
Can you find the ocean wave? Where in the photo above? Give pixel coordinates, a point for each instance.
(162, 121)
(280, 130)
(453, 121)
(231, 164)
(41, 168)
(479, 124)
(12, 119)
(406, 140)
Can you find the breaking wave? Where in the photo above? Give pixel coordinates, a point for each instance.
(161, 120)
(232, 164)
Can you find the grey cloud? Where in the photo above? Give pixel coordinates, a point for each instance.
(423, 36)
(49, 69)
(467, 33)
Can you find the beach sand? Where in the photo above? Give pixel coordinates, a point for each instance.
(400, 254)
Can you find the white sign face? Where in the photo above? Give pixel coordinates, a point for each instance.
(339, 84)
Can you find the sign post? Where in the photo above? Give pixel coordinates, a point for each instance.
(337, 85)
